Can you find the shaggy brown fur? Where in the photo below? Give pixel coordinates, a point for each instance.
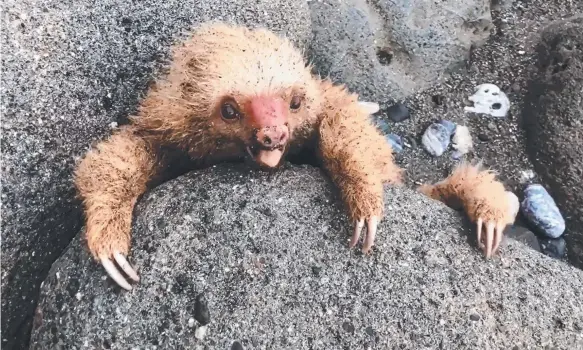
(476, 190)
(282, 109)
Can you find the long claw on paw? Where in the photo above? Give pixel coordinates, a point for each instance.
(357, 230)
(114, 273)
(479, 224)
(125, 266)
(371, 234)
(498, 239)
(489, 238)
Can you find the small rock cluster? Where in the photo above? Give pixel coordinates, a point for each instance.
(538, 207)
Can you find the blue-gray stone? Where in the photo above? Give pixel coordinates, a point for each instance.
(539, 208)
(450, 126)
(435, 140)
(382, 125)
(396, 142)
(555, 248)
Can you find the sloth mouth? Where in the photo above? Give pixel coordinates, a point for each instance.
(266, 156)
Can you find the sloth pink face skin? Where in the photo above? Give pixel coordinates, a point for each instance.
(265, 118)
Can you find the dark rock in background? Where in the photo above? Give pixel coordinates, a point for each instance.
(553, 117)
(70, 69)
(555, 248)
(250, 242)
(524, 235)
(388, 50)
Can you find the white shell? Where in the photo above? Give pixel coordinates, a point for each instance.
(370, 107)
(489, 99)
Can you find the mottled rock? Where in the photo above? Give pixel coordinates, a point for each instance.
(553, 119)
(417, 291)
(555, 248)
(69, 71)
(398, 112)
(449, 125)
(539, 208)
(388, 50)
(435, 139)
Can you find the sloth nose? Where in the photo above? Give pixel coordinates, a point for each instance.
(272, 136)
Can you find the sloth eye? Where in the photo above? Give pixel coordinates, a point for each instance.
(229, 112)
(295, 103)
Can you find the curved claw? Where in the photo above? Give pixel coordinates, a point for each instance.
(125, 266)
(494, 233)
(372, 222)
(356, 235)
(480, 223)
(114, 273)
(371, 234)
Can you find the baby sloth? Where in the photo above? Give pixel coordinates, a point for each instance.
(232, 92)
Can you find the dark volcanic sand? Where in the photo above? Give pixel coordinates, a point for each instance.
(503, 61)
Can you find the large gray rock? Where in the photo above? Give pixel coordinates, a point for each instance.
(269, 254)
(69, 70)
(553, 116)
(388, 50)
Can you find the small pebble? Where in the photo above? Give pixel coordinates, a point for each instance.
(456, 155)
(191, 322)
(492, 126)
(316, 270)
(539, 208)
(483, 137)
(200, 332)
(410, 141)
(370, 107)
(348, 327)
(555, 248)
(236, 346)
(526, 175)
(437, 99)
(201, 310)
(462, 139)
(515, 87)
(474, 317)
(436, 139)
(396, 142)
(450, 126)
(398, 112)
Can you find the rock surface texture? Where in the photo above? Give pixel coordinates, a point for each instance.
(269, 255)
(388, 50)
(69, 71)
(553, 116)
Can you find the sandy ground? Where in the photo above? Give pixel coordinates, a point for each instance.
(503, 61)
